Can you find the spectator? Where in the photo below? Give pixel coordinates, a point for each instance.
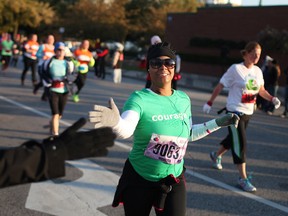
(284, 115)
(102, 53)
(273, 75)
(117, 63)
(177, 75)
(260, 102)
(93, 50)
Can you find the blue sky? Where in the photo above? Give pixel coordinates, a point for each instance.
(264, 2)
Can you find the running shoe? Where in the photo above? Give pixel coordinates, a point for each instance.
(75, 98)
(216, 160)
(246, 185)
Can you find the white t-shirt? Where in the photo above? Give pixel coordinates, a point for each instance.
(244, 84)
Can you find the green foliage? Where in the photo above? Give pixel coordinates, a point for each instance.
(24, 13)
(95, 19)
(148, 17)
(118, 20)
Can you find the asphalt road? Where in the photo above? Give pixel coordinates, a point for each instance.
(24, 116)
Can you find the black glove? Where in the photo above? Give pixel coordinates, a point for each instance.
(79, 145)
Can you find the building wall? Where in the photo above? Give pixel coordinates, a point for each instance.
(229, 23)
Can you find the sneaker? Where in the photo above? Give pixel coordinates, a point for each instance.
(269, 113)
(246, 185)
(75, 98)
(216, 161)
(283, 115)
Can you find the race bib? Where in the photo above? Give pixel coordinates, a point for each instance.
(57, 84)
(248, 98)
(168, 149)
(83, 67)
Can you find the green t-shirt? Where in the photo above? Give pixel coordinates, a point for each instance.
(163, 115)
(7, 47)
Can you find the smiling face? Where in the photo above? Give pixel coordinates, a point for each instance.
(161, 70)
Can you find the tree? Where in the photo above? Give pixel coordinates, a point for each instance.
(18, 13)
(148, 17)
(120, 20)
(96, 19)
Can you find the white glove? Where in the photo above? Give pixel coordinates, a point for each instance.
(105, 116)
(276, 102)
(207, 108)
(227, 120)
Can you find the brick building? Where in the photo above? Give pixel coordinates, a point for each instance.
(229, 24)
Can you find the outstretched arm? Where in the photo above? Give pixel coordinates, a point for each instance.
(201, 130)
(34, 161)
(123, 125)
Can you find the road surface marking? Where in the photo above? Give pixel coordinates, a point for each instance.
(83, 196)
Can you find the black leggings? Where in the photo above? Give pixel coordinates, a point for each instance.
(138, 195)
(57, 102)
(29, 63)
(80, 81)
(236, 140)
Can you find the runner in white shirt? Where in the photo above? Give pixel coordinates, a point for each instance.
(244, 81)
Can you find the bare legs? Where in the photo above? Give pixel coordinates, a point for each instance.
(55, 124)
(241, 167)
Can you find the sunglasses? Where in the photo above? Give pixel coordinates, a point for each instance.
(157, 63)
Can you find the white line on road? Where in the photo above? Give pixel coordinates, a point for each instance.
(195, 174)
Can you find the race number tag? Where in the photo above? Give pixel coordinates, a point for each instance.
(83, 67)
(168, 149)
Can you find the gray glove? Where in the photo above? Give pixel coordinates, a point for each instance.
(227, 120)
(105, 116)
